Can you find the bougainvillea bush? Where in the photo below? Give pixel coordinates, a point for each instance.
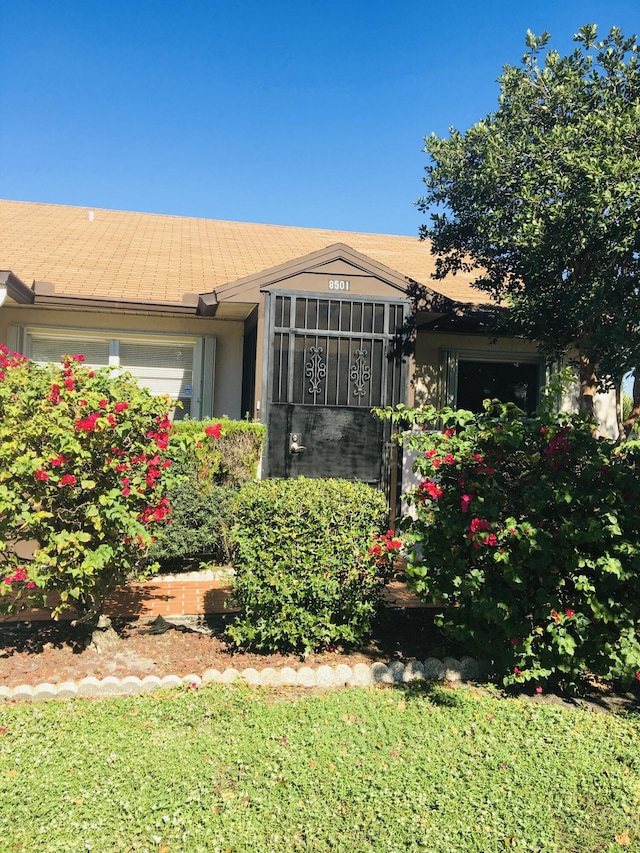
(527, 530)
(83, 464)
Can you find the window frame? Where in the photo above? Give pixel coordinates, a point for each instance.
(203, 364)
(451, 358)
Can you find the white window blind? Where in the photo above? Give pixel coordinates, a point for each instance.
(162, 368)
(94, 350)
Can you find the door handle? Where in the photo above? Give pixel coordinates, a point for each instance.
(294, 443)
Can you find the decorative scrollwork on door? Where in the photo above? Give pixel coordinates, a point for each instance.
(359, 373)
(315, 370)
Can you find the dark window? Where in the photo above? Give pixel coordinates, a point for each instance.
(508, 381)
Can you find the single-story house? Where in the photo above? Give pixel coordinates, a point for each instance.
(291, 326)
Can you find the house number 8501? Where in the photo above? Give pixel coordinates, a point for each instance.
(338, 284)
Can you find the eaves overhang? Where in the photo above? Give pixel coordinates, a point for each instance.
(15, 289)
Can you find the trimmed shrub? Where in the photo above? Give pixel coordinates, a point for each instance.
(200, 526)
(231, 461)
(528, 528)
(206, 478)
(304, 577)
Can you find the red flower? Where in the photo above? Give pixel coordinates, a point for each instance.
(465, 500)
(517, 671)
(79, 358)
(514, 641)
(91, 374)
(555, 615)
(70, 384)
(121, 407)
(428, 489)
(57, 461)
(30, 584)
(87, 424)
(102, 403)
(41, 474)
(569, 613)
(479, 524)
(214, 430)
(68, 480)
(538, 689)
(126, 491)
(54, 394)
(431, 453)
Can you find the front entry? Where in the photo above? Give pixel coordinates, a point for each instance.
(328, 367)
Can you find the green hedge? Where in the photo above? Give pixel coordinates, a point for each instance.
(304, 578)
(230, 461)
(206, 482)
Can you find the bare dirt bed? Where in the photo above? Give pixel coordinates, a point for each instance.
(36, 652)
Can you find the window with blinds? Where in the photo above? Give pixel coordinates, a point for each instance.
(94, 350)
(162, 366)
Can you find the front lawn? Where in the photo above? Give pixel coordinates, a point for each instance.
(234, 769)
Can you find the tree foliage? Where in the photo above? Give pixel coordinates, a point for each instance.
(543, 196)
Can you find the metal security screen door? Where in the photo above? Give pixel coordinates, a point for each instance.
(328, 366)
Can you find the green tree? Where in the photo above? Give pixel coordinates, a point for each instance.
(543, 197)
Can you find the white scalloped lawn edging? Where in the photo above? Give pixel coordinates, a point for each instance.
(341, 675)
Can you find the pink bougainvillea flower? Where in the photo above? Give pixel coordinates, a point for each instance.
(569, 613)
(70, 384)
(87, 424)
(517, 671)
(102, 403)
(68, 480)
(431, 453)
(538, 689)
(555, 615)
(91, 374)
(126, 491)
(465, 500)
(57, 461)
(121, 407)
(41, 474)
(214, 430)
(478, 524)
(515, 641)
(79, 358)
(30, 584)
(428, 489)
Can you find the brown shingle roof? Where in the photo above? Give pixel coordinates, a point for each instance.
(123, 255)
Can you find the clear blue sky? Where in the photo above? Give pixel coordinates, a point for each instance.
(295, 113)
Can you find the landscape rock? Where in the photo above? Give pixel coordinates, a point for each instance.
(434, 669)
(413, 671)
(306, 677)
(380, 673)
(361, 676)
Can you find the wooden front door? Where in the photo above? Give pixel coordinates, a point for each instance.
(328, 367)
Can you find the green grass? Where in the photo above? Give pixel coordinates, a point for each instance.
(234, 769)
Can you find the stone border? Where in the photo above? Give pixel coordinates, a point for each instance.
(341, 675)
